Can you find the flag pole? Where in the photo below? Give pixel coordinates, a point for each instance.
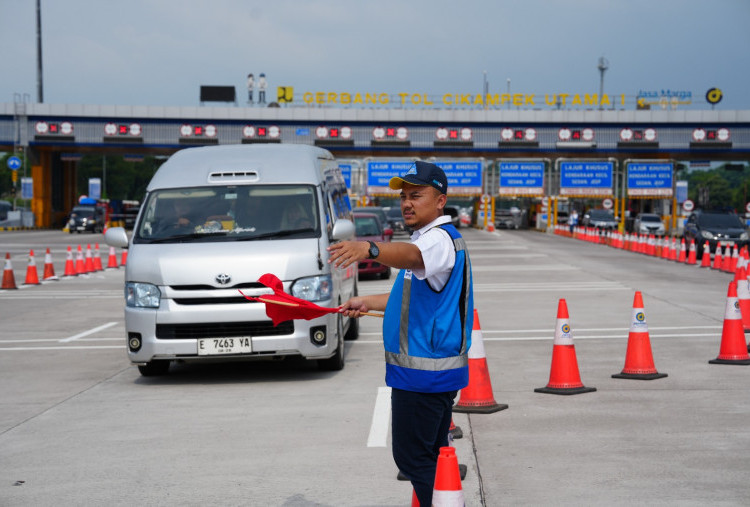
(297, 305)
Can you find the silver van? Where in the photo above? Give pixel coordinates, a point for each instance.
(213, 221)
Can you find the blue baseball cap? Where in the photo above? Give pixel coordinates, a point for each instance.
(422, 174)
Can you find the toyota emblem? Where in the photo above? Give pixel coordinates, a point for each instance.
(223, 278)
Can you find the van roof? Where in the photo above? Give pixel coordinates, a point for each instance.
(240, 164)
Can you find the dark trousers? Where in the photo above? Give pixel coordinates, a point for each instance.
(420, 425)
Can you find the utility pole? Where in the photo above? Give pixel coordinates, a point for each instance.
(39, 78)
(603, 66)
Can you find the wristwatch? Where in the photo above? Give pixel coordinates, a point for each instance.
(374, 251)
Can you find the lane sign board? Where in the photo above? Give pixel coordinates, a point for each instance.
(583, 178)
(650, 179)
(521, 178)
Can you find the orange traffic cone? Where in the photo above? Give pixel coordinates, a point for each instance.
(32, 277)
(743, 296)
(639, 361)
(447, 491)
(735, 258)
(564, 377)
(455, 431)
(49, 268)
(733, 349)
(692, 256)
(727, 259)
(112, 260)
(706, 259)
(673, 250)
(80, 265)
(124, 257)
(70, 269)
(89, 266)
(414, 499)
(9, 280)
(683, 253)
(97, 258)
(477, 397)
(717, 258)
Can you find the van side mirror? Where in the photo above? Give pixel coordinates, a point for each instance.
(116, 237)
(343, 229)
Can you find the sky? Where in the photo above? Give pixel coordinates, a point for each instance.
(159, 52)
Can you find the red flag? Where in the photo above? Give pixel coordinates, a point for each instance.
(281, 306)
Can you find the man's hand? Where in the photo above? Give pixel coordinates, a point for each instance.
(345, 253)
(354, 307)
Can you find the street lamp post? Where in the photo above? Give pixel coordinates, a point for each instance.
(603, 66)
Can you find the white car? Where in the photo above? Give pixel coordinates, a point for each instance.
(649, 223)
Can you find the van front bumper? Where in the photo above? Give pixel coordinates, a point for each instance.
(176, 334)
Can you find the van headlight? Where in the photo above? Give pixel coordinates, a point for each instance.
(707, 234)
(744, 235)
(142, 295)
(313, 288)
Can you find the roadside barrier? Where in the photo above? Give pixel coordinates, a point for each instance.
(447, 491)
(477, 397)
(70, 268)
(32, 277)
(564, 376)
(733, 349)
(639, 360)
(49, 268)
(9, 280)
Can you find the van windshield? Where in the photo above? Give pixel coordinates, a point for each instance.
(229, 213)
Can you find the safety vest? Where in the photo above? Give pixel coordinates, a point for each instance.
(427, 333)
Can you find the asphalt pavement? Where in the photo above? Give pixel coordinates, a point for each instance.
(80, 426)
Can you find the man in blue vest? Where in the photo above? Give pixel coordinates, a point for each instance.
(427, 324)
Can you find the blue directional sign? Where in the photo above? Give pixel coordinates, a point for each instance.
(14, 163)
(464, 177)
(650, 179)
(521, 178)
(582, 177)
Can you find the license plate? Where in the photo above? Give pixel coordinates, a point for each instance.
(220, 346)
(726, 242)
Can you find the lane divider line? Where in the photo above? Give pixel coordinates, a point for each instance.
(381, 417)
(86, 333)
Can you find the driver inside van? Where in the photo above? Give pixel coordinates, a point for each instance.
(295, 218)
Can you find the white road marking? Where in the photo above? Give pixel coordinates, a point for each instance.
(86, 333)
(68, 347)
(381, 417)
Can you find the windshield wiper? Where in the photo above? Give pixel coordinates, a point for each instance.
(181, 237)
(276, 234)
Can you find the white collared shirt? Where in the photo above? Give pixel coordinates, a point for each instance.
(438, 253)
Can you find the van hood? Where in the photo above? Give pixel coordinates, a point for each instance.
(243, 262)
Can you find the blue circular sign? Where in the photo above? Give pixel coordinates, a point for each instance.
(14, 163)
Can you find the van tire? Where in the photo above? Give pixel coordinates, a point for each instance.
(336, 362)
(352, 333)
(154, 368)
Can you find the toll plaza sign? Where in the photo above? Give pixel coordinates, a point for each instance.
(650, 179)
(464, 177)
(520, 177)
(586, 177)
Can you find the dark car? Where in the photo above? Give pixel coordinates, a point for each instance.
(369, 228)
(454, 213)
(86, 219)
(599, 218)
(716, 228)
(395, 219)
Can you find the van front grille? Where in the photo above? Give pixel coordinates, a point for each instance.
(222, 330)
